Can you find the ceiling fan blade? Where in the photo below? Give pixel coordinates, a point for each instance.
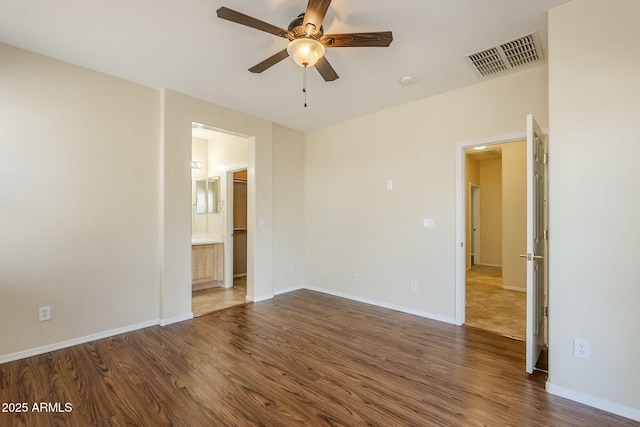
(316, 10)
(326, 70)
(377, 39)
(241, 18)
(269, 62)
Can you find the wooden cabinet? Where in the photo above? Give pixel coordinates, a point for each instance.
(207, 263)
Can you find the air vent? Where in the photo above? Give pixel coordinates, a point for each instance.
(513, 54)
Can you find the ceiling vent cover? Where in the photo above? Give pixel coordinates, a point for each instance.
(513, 54)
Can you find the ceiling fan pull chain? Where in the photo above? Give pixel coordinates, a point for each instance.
(304, 85)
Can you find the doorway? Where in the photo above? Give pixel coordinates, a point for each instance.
(214, 153)
(520, 228)
(493, 276)
(495, 279)
(239, 227)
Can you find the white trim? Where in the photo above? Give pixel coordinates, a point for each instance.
(494, 140)
(592, 401)
(238, 166)
(165, 322)
(384, 305)
(260, 299)
(75, 341)
(287, 290)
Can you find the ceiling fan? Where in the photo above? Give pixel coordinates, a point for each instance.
(307, 41)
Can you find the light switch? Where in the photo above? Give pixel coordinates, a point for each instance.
(428, 223)
(389, 185)
(260, 222)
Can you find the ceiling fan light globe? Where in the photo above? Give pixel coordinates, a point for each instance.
(305, 51)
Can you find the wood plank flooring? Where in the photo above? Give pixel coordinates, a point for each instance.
(303, 358)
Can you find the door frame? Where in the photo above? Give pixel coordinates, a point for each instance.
(461, 218)
(228, 249)
(461, 228)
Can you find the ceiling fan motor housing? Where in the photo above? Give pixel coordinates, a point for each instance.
(298, 30)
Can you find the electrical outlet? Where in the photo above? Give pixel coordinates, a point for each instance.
(291, 270)
(581, 349)
(44, 313)
(414, 285)
(356, 276)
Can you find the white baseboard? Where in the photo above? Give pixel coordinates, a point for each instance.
(594, 402)
(76, 341)
(260, 298)
(93, 337)
(384, 305)
(287, 290)
(514, 288)
(165, 322)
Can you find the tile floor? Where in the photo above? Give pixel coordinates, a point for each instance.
(492, 308)
(207, 301)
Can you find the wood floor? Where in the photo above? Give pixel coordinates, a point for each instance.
(490, 307)
(303, 358)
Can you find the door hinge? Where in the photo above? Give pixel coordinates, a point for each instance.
(546, 312)
(546, 234)
(545, 158)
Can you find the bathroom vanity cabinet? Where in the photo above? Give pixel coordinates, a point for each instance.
(207, 263)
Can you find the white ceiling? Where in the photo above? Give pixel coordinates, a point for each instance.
(185, 47)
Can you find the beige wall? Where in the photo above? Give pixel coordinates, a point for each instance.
(594, 206)
(179, 112)
(514, 215)
(490, 212)
(79, 168)
(288, 208)
(353, 224)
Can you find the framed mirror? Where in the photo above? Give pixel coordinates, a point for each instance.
(208, 195)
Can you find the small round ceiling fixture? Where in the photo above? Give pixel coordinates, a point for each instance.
(407, 80)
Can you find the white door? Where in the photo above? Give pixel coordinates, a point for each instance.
(535, 256)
